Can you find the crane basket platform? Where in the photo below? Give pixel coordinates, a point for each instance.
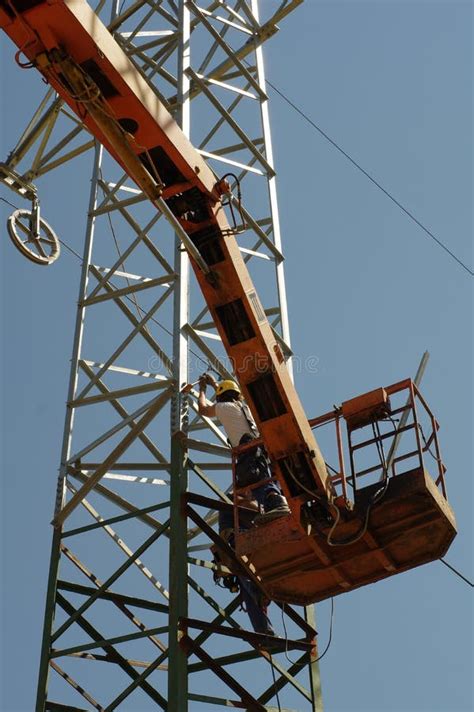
(399, 519)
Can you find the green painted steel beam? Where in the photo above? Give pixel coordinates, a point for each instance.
(113, 596)
(114, 520)
(126, 565)
(108, 641)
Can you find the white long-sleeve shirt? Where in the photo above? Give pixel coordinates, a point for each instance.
(234, 421)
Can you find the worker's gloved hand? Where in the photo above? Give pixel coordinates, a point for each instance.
(203, 383)
(208, 380)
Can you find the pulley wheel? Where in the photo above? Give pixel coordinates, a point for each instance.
(43, 249)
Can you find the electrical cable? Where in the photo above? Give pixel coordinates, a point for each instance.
(76, 254)
(370, 177)
(64, 244)
(228, 203)
(352, 539)
(428, 449)
(336, 472)
(134, 298)
(8, 203)
(27, 43)
(140, 311)
(315, 495)
(380, 493)
(328, 645)
(274, 682)
(376, 497)
(461, 576)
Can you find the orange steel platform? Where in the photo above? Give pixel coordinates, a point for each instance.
(411, 526)
(397, 522)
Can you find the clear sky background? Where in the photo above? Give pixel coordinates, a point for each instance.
(369, 291)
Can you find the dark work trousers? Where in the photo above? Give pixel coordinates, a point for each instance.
(251, 594)
(262, 494)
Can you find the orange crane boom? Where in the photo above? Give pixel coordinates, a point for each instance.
(78, 56)
(325, 547)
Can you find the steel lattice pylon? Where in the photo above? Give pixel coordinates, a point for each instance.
(132, 615)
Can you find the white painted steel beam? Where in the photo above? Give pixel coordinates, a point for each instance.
(199, 52)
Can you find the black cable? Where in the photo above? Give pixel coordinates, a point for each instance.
(379, 443)
(228, 203)
(76, 254)
(469, 583)
(370, 177)
(8, 203)
(133, 299)
(336, 472)
(274, 683)
(129, 299)
(320, 657)
(428, 449)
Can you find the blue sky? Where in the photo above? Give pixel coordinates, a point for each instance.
(369, 291)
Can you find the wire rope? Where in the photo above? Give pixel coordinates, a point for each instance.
(370, 177)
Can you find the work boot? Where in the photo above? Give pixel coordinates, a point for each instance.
(275, 506)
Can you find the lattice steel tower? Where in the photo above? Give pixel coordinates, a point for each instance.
(133, 619)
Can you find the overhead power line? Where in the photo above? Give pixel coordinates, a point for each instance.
(129, 299)
(449, 566)
(461, 576)
(370, 177)
(8, 203)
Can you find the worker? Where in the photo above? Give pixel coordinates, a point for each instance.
(253, 600)
(251, 467)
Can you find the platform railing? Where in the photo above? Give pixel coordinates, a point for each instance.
(411, 415)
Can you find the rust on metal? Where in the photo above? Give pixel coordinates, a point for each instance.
(399, 518)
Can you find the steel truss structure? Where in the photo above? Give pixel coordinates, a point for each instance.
(133, 619)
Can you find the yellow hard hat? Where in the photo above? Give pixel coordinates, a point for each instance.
(228, 385)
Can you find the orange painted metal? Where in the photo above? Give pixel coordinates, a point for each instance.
(412, 523)
(76, 54)
(409, 525)
(359, 411)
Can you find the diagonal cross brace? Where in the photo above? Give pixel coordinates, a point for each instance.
(140, 326)
(111, 459)
(71, 681)
(108, 583)
(252, 704)
(114, 654)
(117, 405)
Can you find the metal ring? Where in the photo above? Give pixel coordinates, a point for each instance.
(42, 250)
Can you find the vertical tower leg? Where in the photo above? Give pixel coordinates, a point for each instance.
(178, 672)
(130, 574)
(67, 439)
